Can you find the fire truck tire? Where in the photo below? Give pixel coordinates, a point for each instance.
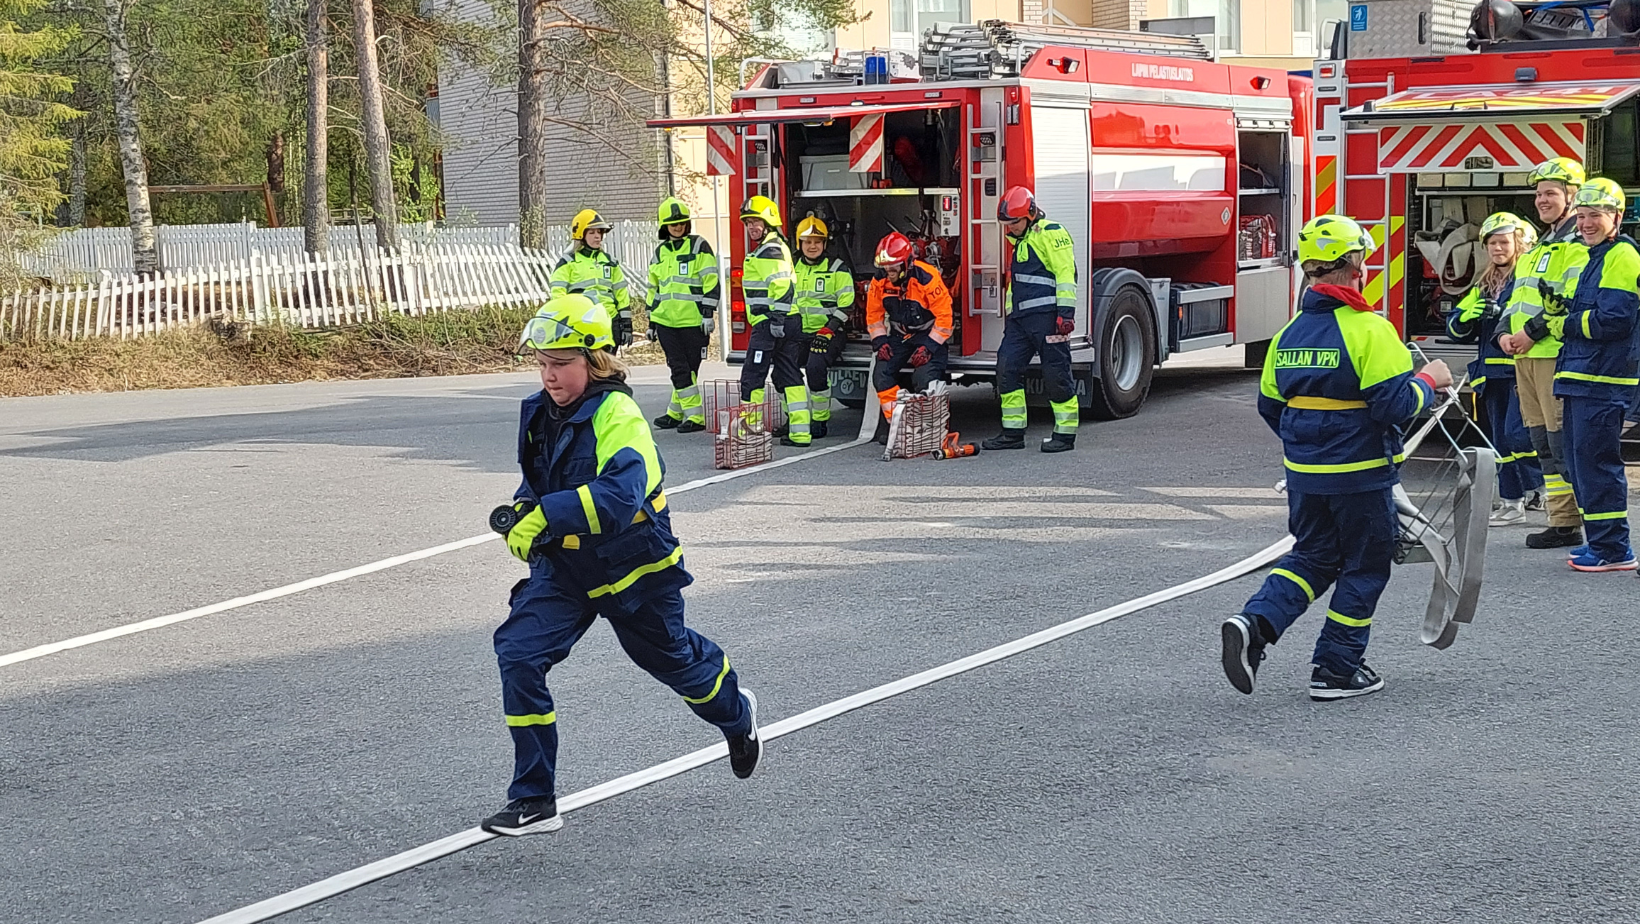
(1126, 352)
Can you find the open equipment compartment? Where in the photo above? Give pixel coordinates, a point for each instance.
(917, 192)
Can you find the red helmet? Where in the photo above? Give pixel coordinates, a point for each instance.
(1017, 203)
(894, 250)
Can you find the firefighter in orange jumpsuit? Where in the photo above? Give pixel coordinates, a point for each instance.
(908, 314)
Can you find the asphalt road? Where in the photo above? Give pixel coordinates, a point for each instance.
(1114, 776)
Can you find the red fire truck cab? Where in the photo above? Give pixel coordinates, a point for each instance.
(1180, 179)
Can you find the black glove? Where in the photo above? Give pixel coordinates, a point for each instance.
(654, 333)
(622, 331)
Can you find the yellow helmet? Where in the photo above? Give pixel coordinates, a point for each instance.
(586, 220)
(1601, 193)
(566, 323)
(762, 207)
(812, 227)
(1507, 222)
(1564, 169)
(1327, 238)
(673, 212)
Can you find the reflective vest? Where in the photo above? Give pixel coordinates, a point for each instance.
(768, 280)
(1601, 328)
(1543, 265)
(1337, 384)
(825, 292)
(1476, 319)
(596, 275)
(1042, 276)
(922, 304)
(683, 282)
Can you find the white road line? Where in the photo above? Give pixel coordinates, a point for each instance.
(381, 869)
(160, 622)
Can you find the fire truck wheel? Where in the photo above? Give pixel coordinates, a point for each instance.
(1127, 355)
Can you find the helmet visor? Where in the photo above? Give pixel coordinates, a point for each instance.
(543, 333)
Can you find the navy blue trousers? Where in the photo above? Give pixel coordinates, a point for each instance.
(1592, 429)
(1518, 468)
(1344, 538)
(548, 619)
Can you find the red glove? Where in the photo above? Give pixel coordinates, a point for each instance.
(885, 351)
(920, 357)
(823, 332)
(1063, 326)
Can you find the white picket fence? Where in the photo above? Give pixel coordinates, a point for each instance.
(305, 291)
(89, 254)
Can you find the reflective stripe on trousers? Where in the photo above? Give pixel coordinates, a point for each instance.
(820, 405)
(1065, 416)
(1013, 410)
(797, 412)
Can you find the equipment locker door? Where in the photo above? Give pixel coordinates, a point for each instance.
(1062, 151)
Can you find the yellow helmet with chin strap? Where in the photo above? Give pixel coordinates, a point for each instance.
(812, 227)
(586, 220)
(1600, 193)
(674, 211)
(568, 322)
(762, 207)
(1327, 238)
(1561, 169)
(1506, 222)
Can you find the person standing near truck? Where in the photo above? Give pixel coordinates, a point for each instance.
(588, 270)
(775, 345)
(683, 296)
(825, 292)
(1492, 375)
(1555, 183)
(1041, 307)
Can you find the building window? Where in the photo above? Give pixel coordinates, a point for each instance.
(797, 33)
(909, 19)
(1313, 22)
(1225, 13)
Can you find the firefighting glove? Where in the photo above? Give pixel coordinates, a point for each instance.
(821, 344)
(654, 334)
(1557, 326)
(706, 323)
(1553, 304)
(522, 537)
(1063, 326)
(777, 328)
(920, 357)
(623, 329)
(884, 351)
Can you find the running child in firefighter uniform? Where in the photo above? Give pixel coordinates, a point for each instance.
(1337, 384)
(908, 314)
(1597, 372)
(598, 539)
(683, 296)
(1492, 374)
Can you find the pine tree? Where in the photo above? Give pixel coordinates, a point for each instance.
(33, 150)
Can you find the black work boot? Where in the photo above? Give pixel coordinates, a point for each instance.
(818, 430)
(666, 422)
(691, 426)
(881, 436)
(1555, 537)
(1007, 439)
(1243, 650)
(1059, 442)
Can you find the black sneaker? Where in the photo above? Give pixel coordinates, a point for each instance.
(746, 750)
(691, 426)
(1555, 537)
(1326, 685)
(666, 422)
(818, 430)
(1059, 442)
(783, 430)
(1007, 439)
(788, 441)
(525, 816)
(1243, 650)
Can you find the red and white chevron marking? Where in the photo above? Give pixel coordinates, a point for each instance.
(865, 144)
(720, 150)
(1510, 145)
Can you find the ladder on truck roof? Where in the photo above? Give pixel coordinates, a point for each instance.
(994, 48)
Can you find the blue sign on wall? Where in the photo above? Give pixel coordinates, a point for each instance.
(1358, 17)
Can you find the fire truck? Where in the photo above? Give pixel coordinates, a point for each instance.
(1431, 113)
(1181, 180)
